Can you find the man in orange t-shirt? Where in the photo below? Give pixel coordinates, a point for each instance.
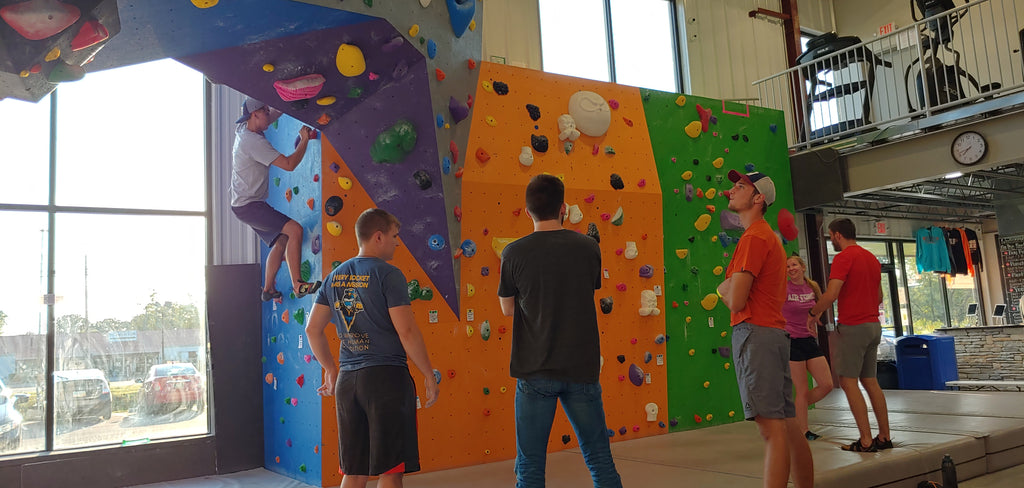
(855, 280)
(755, 290)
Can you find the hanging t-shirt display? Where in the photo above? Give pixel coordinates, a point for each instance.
(957, 258)
(932, 250)
(975, 248)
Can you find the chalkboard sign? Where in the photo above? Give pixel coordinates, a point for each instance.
(1011, 265)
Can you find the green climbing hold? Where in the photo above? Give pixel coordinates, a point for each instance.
(273, 340)
(394, 144)
(295, 190)
(305, 270)
(335, 264)
(422, 40)
(282, 420)
(288, 400)
(426, 294)
(302, 467)
(300, 316)
(355, 92)
(277, 181)
(487, 391)
(263, 359)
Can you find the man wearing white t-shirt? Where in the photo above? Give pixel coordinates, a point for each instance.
(250, 170)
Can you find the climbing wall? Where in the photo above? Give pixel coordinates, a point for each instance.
(292, 412)
(696, 141)
(612, 184)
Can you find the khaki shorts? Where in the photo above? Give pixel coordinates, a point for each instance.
(761, 355)
(857, 349)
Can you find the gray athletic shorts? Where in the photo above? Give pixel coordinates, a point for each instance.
(857, 349)
(264, 219)
(762, 371)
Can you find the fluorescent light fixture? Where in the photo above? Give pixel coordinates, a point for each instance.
(955, 174)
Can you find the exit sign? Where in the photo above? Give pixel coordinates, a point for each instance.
(881, 228)
(886, 29)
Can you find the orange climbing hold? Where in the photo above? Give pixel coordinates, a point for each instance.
(288, 195)
(482, 155)
(471, 63)
(440, 74)
(285, 317)
(311, 203)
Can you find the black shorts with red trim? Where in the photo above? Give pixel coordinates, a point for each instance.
(377, 421)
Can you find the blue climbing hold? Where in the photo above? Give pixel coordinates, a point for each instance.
(749, 167)
(437, 376)
(440, 121)
(431, 48)
(468, 248)
(436, 242)
(461, 13)
(446, 165)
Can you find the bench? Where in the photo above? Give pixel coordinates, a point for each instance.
(985, 384)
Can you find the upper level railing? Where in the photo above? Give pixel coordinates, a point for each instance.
(847, 88)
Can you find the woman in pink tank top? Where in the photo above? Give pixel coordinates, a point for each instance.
(804, 354)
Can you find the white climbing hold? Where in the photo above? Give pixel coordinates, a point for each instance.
(575, 214)
(649, 304)
(526, 157)
(591, 112)
(567, 128)
(631, 251)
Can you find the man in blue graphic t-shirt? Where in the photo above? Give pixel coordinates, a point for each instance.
(375, 396)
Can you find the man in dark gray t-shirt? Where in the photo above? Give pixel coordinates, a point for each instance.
(547, 285)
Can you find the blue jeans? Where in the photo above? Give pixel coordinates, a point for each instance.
(535, 412)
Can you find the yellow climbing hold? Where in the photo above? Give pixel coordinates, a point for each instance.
(692, 352)
(687, 175)
(487, 86)
(326, 100)
(682, 253)
(472, 25)
(350, 60)
(702, 222)
(269, 68)
(447, 125)
(345, 183)
(688, 319)
(414, 30)
(693, 129)
(499, 243)
(469, 331)
(681, 100)
(732, 413)
(727, 365)
(503, 389)
(491, 121)
(714, 238)
(709, 417)
(709, 301)
(334, 228)
(24, 73)
(204, 3)
(53, 54)
(470, 290)
(707, 384)
(725, 333)
(718, 163)
(710, 193)
(717, 271)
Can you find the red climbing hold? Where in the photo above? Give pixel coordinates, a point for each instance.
(91, 33)
(629, 123)
(440, 74)
(455, 152)
(471, 63)
(451, 373)
(517, 211)
(316, 178)
(696, 418)
(469, 101)
(458, 172)
(705, 117)
(457, 211)
(288, 194)
(700, 193)
(482, 155)
(301, 380)
(590, 198)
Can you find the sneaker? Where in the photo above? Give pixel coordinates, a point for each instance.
(856, 446)
(811, 436)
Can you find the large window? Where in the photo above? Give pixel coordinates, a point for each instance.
(107, 256)
(632, 42)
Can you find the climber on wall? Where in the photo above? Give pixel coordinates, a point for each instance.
(252, 157)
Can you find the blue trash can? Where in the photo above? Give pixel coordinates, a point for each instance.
(925, 362)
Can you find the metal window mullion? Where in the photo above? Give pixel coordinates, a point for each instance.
(610, 38)
(677, 47)
(51, 346)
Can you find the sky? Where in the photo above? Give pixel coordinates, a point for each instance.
(126, 138)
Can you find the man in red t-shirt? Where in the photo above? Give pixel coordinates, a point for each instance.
(855, 280)
(755, 290)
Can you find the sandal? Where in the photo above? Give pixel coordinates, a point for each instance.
(880, 444)
(811, 436)
(270, 295)
(306, 289)
(856, 446)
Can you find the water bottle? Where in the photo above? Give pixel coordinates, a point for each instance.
(948, 472)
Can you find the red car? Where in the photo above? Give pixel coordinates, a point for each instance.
(171, 387)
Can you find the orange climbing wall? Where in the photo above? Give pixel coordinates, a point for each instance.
(343, 247)
(492, 195)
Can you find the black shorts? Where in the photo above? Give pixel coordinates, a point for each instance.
(377, 421)
(803, 349)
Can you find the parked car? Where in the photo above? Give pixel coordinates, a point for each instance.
(10, 418)
(170, 387)
(81, 393)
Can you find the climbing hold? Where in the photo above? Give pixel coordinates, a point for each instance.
(470, 290)
(451, 373)
(333, 205)
(689, 192)
(394, 143)
(682, 253)
(631, 251)
(620, 287)
(773, 128)
(355, 92)
(575, 215)
(457, 212)
(526, 156)
(597, 149)
(566, 438)
(648, 357)
(437, 376)
(787, 225)
(280, 358)
(486, 85)
(301, 88)
(617, 217)
(471, 63)
(345, 183)
(422, 179)
(707, 384)
(539, 143)
(439, 74)
(710, 208)
(749, 167)
(485, 271)
(301, 380)
(693, 129)
(91, 33)
(454, 149)
(717, 271)
(660, 339)
(681, 100)
(591, 113)
(63, 72)
(692, 352)
(316, 243)
(661, 424)
(431, 48)
(636, 375)
(709, 301)
(468, 248)
(326, 100)
(517, 212)
(592, 232)
(285, 316)
(324, 119)
(414, 30)
(609, 150)
(649, 304)
(646, 271)
(633, 340)
(710, 193)
(482, 155)
(590, 198)
(500, 88)
(700, 193)
(606, 305)
(485, 333)
(534, 112)
(458, 110)
(702, 222)
(705, 117)
(567, 128)
(333, 228)
(616, 181)
(460, 13)
(435, 242)
(269, 378)
(687, 175)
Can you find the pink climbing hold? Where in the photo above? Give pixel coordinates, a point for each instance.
(619, 251)
(301, 88)
(633, 340)
(307, 358)
(606, 216)
(39, 19)
(590, 198)
(613, 103)
(372, 76)
(620, 287)
(91, 33)
(295, 401)
(636, 428)
(596, 150)
(705, 117)
(622, 377)
(642, 183)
